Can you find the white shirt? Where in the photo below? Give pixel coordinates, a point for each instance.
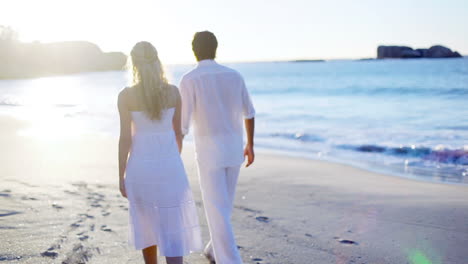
(215, 98)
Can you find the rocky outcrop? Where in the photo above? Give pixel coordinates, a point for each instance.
(441, 52)
(403, 52)
(24, 60)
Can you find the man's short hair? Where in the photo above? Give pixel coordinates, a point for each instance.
(204, 45)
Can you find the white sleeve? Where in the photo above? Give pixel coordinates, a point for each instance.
(188, 103)
(248, 109)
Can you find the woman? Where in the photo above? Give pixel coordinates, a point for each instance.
(152, 176)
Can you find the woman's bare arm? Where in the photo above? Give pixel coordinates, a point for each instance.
(177, 120)
(125, 139)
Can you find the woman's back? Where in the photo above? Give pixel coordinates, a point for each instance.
(135, 101)
(152, 139)
(142, 124)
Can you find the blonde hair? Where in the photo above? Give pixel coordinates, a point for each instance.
(149, 79)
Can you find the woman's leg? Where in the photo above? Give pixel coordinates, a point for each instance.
(150, 254)
(174, 260)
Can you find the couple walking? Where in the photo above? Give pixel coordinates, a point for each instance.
(154, 118)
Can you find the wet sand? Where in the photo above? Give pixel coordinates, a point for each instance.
(59, 203)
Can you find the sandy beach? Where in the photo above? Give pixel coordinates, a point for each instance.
(59, 203)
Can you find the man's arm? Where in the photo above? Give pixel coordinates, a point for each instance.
(249, 148)
(248, 111)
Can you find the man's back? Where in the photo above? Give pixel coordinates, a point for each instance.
(216, 99)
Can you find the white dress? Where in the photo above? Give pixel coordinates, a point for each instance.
(161, 207)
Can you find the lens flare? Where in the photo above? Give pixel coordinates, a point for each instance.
(417, 257)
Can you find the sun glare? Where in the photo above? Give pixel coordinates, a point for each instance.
(52, 91)
(46, 103)
(112, 25)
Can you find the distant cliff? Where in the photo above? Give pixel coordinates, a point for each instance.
(24, 60)
(404, 52)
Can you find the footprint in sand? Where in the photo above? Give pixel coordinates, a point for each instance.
(8, 213)
(125, 208)
(80, 184)
(82, 238)
(257, 260)
(49, 254)
(249, 210)
(272, 254)
(9, 258)
(105, 229)
(8, 227)
(28, 198)
(263, 219)
(56, 206)
(104, 213)
(5, 194)
(79, 254)
(347, 242)
(53, 247)
(86, 216)
(71, 192)
(75, 225)
(96, 197)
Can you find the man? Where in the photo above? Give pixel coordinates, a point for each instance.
(215, 98)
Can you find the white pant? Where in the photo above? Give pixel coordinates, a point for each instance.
(218, 186)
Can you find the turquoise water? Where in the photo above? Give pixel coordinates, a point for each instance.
(401, 117)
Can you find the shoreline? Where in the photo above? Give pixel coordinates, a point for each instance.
(397, 172)
(369, 167)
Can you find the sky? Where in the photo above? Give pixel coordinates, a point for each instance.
(247, 30)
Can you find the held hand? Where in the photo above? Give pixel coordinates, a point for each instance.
(249, 152)
(122, 190)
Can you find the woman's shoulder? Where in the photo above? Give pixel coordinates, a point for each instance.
(172, 86)
(125, 91)
(173, 89)
(123, 94)
(173, 95)
(128, 91)
(127, 95)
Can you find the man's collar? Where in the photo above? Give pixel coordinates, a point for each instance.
(206, 63)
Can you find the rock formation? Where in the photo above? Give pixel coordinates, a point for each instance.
(404, 52)
(24, 60)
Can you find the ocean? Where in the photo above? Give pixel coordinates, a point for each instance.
(407, 118)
